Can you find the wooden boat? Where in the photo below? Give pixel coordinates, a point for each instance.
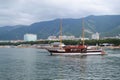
(74, 49)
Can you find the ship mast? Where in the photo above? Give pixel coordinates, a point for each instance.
(83, 34)
(60, 33)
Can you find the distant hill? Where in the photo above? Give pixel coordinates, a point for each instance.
(107, 25)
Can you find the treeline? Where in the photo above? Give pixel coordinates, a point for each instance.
(115, 42)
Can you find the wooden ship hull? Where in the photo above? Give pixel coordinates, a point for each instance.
(75, 51)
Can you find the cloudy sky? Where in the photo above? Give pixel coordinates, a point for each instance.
(26, 12)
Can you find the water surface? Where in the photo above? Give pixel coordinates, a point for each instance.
(36, 64)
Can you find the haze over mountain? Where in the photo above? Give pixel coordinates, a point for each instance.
(106, 25)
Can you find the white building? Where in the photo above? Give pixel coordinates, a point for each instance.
(84, 38)
(52, 38)
(30, 37)
(95, 36)
(64, 37)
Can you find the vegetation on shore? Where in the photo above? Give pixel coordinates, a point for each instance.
(115, 42)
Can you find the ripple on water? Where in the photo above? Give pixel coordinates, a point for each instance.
(35, 64)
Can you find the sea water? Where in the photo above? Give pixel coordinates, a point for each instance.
(37, 64)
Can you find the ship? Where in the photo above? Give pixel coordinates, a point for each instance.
(81, 49)
(75, 50)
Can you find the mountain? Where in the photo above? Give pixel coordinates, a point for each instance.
(106, 25)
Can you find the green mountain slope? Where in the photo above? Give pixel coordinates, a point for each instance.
(107, 25)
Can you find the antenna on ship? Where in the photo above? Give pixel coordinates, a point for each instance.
(83, 34)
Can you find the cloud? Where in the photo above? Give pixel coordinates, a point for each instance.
(16, 12)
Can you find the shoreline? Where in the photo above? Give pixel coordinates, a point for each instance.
(44, 47)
